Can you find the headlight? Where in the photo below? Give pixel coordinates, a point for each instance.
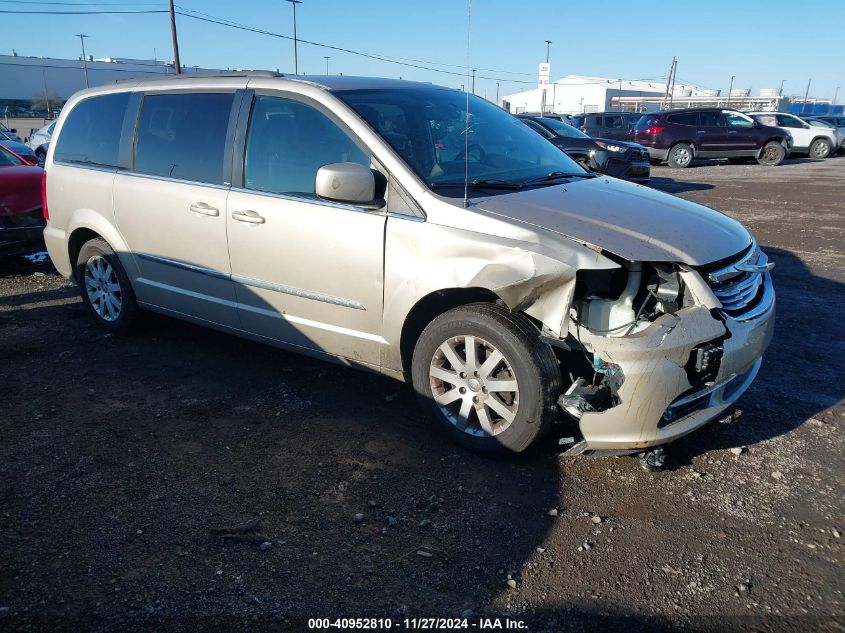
(610, 147)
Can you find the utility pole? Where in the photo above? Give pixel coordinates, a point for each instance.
(82, 37)
(836, 94)
(177, 65)
(327, 58)
(668, 85)
(780, 92)
(806, 94)
(46, 94)
(497, 92)
(730, 89)
(295, 51)
(473, 81)
(672, 90)
(548, 43)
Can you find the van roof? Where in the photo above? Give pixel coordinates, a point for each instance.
(329, 82)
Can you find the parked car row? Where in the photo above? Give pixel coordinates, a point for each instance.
(621, 159)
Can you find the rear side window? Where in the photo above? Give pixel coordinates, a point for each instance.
(289, 141)
(91, 133)
(684, 118)
(183, 136)
(578, 121)
(614, 122)
(711, 118)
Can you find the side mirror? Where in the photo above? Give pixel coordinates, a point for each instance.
(347, 182)
(807, 126)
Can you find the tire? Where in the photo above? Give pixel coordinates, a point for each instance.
(516, 418)
(772, 154)
(819, 149)
(105, 288)
(680, 156)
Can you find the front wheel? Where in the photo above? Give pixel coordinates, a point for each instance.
(486, 378)
(819, 149)
(105, 288)
(773, 154)
(680, 156)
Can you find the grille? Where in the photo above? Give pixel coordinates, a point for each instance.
(743, 285)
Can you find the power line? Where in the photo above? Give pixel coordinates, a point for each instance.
(56, 12)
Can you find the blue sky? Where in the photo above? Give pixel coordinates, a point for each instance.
(760, 43)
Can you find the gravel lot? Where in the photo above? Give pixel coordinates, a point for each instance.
(120, 456)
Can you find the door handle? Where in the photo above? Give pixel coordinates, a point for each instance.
(732, 132)
(250, 217)
(204, 209)
(701, 131)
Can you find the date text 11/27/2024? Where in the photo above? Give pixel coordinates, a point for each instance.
(418, 624)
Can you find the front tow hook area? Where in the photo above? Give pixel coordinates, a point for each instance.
(653, 460)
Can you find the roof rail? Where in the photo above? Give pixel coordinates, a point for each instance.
(204, 75)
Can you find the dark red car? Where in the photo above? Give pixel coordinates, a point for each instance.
(680, 136)
(21, 217)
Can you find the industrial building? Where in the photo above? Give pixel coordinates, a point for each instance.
(24, 80)
(576, 94)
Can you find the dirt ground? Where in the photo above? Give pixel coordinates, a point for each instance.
(118, 456)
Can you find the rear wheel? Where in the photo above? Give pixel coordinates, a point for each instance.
(486, 378)
(820, 148)
(773, 154)
(680, 156)
(105, 288)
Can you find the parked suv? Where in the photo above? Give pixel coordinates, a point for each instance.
(680, 136)
(806, 139)
(614, 158)
(615, 125)
(837, 122)
(375, 223)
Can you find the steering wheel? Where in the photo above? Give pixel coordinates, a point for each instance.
(472, 147)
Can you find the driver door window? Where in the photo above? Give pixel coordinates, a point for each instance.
(288, 141)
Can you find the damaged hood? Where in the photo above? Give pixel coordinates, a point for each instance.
(631, 221)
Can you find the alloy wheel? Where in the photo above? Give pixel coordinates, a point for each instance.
(474, 386)
(682, 155)
(103, 288)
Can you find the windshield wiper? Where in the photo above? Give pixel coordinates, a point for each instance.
(556, 175)
(479, 184)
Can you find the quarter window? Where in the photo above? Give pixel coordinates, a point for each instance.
(91, 133)
(684, 118)
(288, 141)
(183, 135)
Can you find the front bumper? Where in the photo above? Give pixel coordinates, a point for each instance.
(657, 153)
(657, 402)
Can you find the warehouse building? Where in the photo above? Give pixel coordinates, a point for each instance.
(24, 81)
(575, 94)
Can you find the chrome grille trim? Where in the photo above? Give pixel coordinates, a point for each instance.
(744, 287)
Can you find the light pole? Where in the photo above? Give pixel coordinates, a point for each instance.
(473, 81)
(836, 94)
(780, 92)
(177, 65)
(295, 52)
(806, 94)
(497, 93)
(730, 89)
(327, 58)
(548, 43)
(82, 37)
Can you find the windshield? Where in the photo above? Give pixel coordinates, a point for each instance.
(562, 129)
(428, 128)
(7, 159)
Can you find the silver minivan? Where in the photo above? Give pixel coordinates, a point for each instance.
(415, 231)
